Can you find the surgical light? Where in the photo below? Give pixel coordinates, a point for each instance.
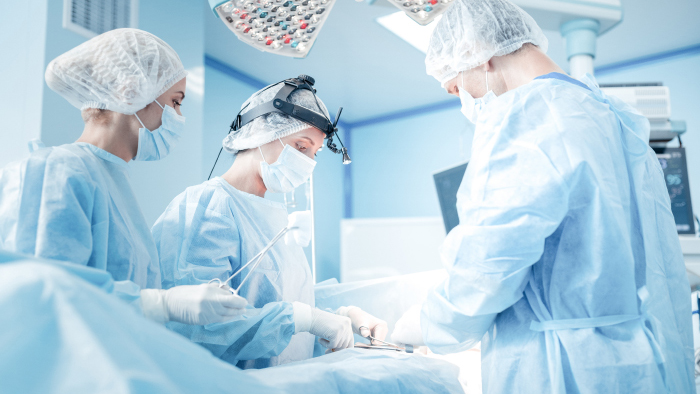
(283, 27)
(421, 11)
(401, 25)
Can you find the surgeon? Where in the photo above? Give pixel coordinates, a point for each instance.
(74, 202)
(566, 264)
(211, 230)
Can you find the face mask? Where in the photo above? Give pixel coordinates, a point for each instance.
(291, 169)
(156, 144)
(471, 107)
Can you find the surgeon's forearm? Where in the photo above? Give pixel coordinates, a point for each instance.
(446, 329)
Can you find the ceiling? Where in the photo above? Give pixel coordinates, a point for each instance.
(370, 72)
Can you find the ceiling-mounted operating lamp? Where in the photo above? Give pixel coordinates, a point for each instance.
(422, 11)
(283, 27)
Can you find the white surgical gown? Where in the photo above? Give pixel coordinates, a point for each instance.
(566, 263)
(74, 203)
(209, 231)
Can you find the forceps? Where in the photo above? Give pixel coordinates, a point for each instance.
(389, 345)
(255, 261)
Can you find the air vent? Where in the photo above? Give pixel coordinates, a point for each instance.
(92, 17)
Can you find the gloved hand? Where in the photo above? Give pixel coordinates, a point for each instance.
(407, 329)
(370, 324)
(301, 233)
(334, 331)
(193, 304)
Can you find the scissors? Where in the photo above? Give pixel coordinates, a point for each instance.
(255, 261)
(388, 345)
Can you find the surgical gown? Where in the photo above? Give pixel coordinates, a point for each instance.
(74, 203)
(65, 332)
(209, 231)
(566, 263)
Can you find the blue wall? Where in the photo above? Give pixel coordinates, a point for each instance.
(22, 41)
(393, 163)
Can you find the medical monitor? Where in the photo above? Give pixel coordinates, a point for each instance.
(447, 183)
(675, 168)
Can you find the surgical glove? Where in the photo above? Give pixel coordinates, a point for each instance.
(407, 329)
(334, 331)
(300, 229)
(193, 304)
(371, 325)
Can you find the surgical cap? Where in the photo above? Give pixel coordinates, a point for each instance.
(122, 70)
(471, 32)
(272, 126)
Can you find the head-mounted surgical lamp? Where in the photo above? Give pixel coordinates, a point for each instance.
(283, 27)
(281, 104)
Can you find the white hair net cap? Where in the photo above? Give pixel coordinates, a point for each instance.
(122, 70)
(272, 126)
(471, 32)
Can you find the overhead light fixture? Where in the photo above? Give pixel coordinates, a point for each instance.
(404, 27)
(422, 11)
(283, 27)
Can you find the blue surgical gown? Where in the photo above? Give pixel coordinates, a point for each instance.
(209, 231)
(64, 331)
(74, 203)
(566, 263)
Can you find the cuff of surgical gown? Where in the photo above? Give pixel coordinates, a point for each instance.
(344, 310)
(153, 305)
(302, 317)
(128, 292)
(447, 330)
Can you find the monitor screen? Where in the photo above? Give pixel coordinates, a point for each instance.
(675, 168)
(447, 184)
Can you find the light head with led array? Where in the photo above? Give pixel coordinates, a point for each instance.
(423, 12)
(280, 104)
(283, 27)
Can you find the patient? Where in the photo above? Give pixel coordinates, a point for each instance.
(211, 230)
(64, 331)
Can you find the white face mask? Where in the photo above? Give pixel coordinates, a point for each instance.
(290, 171)
(471, 107)
(156, 144)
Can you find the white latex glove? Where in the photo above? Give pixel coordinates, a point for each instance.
(334, 331)
(301, 235)
(193, 304)
(407, 329)
(359, 318)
